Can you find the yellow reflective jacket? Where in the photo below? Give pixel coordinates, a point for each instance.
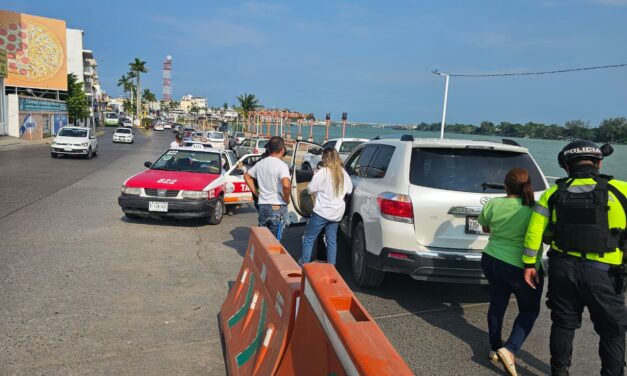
(540, 219)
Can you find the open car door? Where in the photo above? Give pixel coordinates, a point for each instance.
(236, 190)
(301, 202)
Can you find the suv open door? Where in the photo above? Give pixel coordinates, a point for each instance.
(301, 203)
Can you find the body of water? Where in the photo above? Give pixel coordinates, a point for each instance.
(543, 151)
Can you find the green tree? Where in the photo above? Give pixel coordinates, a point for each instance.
(612, 130)
(149, 96)
(77, 102)
(138, 67)
(194, 109)
(486, 128)
(248, 103)
(578, 129)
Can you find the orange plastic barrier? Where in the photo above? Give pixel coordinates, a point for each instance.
(334, 334)
(258, 314)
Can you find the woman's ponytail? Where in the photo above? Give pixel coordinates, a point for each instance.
(518, 182)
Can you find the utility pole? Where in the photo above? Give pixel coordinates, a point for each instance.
(447, 76)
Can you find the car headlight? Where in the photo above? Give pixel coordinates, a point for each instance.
(195, 194)
(84, 144)
(131, 191)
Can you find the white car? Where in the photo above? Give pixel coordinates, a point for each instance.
(123, 135)
(216, 139)
(239, 137)
(74, 141)
(158, 127)
(415, 204)
(167, 125)
(343, 145)
(127, 123)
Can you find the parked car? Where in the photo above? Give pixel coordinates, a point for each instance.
(240, 137)
(158, 127)
(111, 119)
(343, 145)
(415, 205)
(74, 141)
(167, 125)
(216, 139)
(124, 135)
(251, 146)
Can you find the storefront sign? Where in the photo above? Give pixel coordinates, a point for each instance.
(41, 105)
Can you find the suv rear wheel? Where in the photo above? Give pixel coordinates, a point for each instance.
(363, 275)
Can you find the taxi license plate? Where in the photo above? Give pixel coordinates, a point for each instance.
(67, 149)
(473, 226)
(157, 206)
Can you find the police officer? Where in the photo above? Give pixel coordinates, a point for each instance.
(582, 217)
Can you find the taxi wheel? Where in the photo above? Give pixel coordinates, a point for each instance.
(218, 212)
(363, 275)
(89, 154)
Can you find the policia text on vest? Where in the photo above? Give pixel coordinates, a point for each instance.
(583, 218)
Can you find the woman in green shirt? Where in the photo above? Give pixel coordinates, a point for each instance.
(506, 219)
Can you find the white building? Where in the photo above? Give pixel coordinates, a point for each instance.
(74, 39)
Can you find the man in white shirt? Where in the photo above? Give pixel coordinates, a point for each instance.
(273, 179)
(177, 142)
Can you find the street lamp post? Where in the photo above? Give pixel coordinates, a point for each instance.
(445, 101)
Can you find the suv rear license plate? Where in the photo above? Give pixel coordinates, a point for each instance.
(157, 206)
(473, 226)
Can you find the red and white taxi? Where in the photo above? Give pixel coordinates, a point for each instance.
(187, 182)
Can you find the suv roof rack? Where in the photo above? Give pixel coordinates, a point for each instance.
(403, 137)
(507, 141)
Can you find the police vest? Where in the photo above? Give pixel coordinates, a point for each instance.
(581, 215)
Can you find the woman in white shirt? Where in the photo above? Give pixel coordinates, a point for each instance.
(330, 185)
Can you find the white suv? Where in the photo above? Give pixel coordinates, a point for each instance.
(415, 205)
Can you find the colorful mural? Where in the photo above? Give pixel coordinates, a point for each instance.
(35, 50)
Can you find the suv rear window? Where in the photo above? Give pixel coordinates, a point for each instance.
(467, 170)
(349, 146)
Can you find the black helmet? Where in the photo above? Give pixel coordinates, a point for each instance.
(583, 149)
(179, 137)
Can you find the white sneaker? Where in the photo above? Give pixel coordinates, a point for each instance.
(508, 360)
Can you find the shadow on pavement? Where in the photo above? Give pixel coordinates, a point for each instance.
(441, 305)
(165, 222)
(240, 239)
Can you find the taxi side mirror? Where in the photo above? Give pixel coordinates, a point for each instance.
(148, 164)
(238, 172)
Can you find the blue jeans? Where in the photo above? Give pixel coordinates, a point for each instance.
(315, 225)
(506, 279)
(273, 217)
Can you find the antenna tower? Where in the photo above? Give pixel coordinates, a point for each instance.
(167, 78)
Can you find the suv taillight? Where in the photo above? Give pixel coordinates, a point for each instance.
(396, 207)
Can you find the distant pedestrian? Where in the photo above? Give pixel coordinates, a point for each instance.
(178, 142)
(506, 219)
(273, 191)
(329, 185)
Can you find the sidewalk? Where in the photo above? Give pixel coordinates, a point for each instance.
(11, 143)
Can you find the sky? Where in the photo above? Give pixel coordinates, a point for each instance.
(371, 59)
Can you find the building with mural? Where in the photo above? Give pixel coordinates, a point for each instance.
(40, 53)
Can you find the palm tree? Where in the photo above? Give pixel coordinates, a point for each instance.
(149, 96)
(124, 81)
(248, 103)
(138, 67)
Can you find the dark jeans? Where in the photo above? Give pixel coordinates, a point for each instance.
(573, 285)
(505, 280)
(314, 227)
(273, 217)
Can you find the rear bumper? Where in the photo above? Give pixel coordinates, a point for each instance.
(176, 208)
(442, 265)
